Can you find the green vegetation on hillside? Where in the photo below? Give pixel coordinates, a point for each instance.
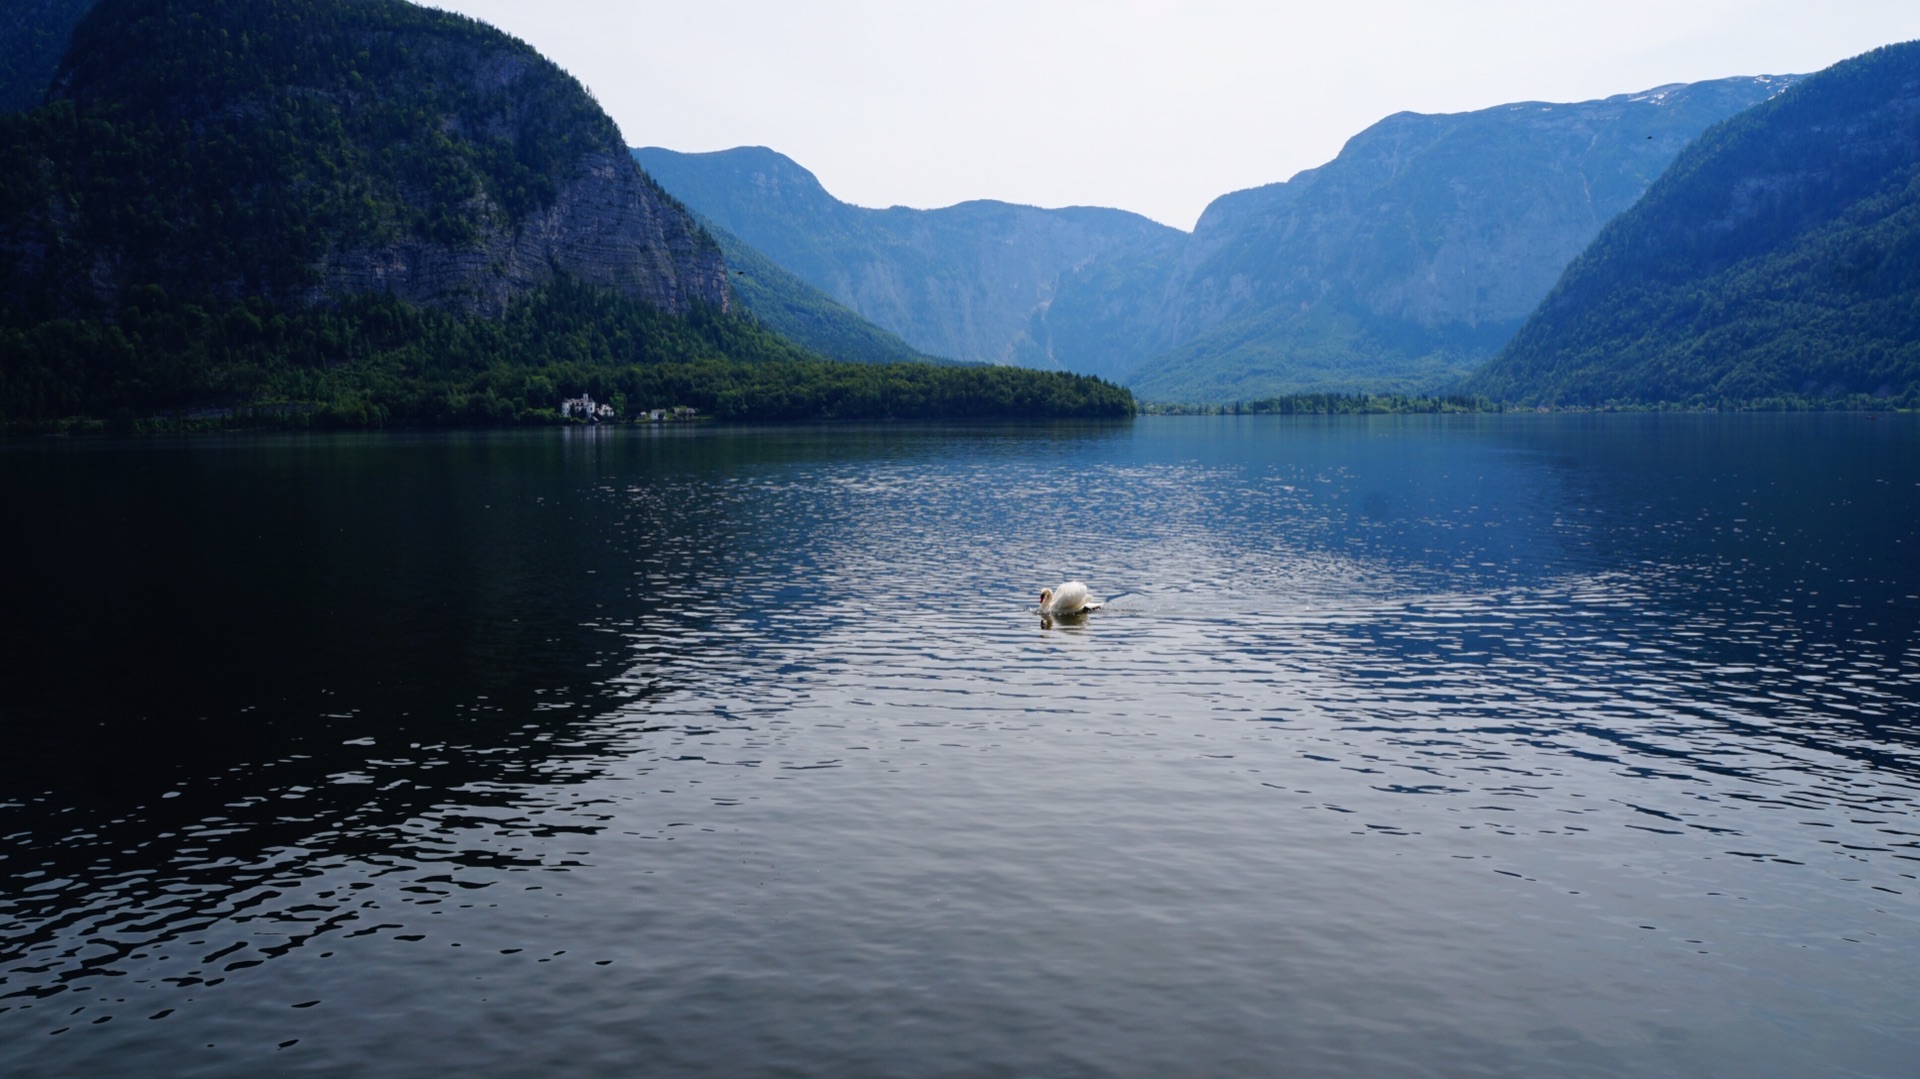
(1777, 264)
(229, 147)
(374, 360)
(1327, 350)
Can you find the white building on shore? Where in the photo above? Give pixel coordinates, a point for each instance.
(584, 408)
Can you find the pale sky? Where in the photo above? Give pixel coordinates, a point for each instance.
(1147, 105)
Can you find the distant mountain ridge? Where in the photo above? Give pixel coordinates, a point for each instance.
(1778, 258)
(965, 281)
(1400, 265)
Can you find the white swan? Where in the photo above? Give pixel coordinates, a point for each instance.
(1069, 598)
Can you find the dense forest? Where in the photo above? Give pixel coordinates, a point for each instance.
(170, 364)
(1776, 264)
(215, 217)
(231, 147)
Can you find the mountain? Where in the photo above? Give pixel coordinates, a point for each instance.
(1778, 257)
(349, 211)
(305, 150)
(1400, 265)
(965, 281)
(794, 309)
(33, 36)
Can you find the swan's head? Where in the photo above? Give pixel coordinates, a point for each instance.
(1046, 597)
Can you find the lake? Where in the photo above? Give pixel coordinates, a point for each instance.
(1504, 745)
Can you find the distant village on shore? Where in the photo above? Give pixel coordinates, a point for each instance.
(584, 409)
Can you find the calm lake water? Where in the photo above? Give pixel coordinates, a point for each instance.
(1508, 745)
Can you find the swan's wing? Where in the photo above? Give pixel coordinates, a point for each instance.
(1071, 597)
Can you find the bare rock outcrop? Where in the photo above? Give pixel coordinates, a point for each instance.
(608, 226)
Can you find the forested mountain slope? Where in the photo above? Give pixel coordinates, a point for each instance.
(299, 149)
(1779, 257)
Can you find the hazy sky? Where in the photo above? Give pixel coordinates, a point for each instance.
(1147, 105)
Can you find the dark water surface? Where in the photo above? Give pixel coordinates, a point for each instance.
(1485, 745)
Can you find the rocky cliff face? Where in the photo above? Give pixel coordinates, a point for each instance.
(966, 281)
(1450, 219)
(606, 226)
(312, 150)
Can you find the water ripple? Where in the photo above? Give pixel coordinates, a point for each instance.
(1401, 745)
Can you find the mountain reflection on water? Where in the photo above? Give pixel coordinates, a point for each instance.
(1496, 743)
